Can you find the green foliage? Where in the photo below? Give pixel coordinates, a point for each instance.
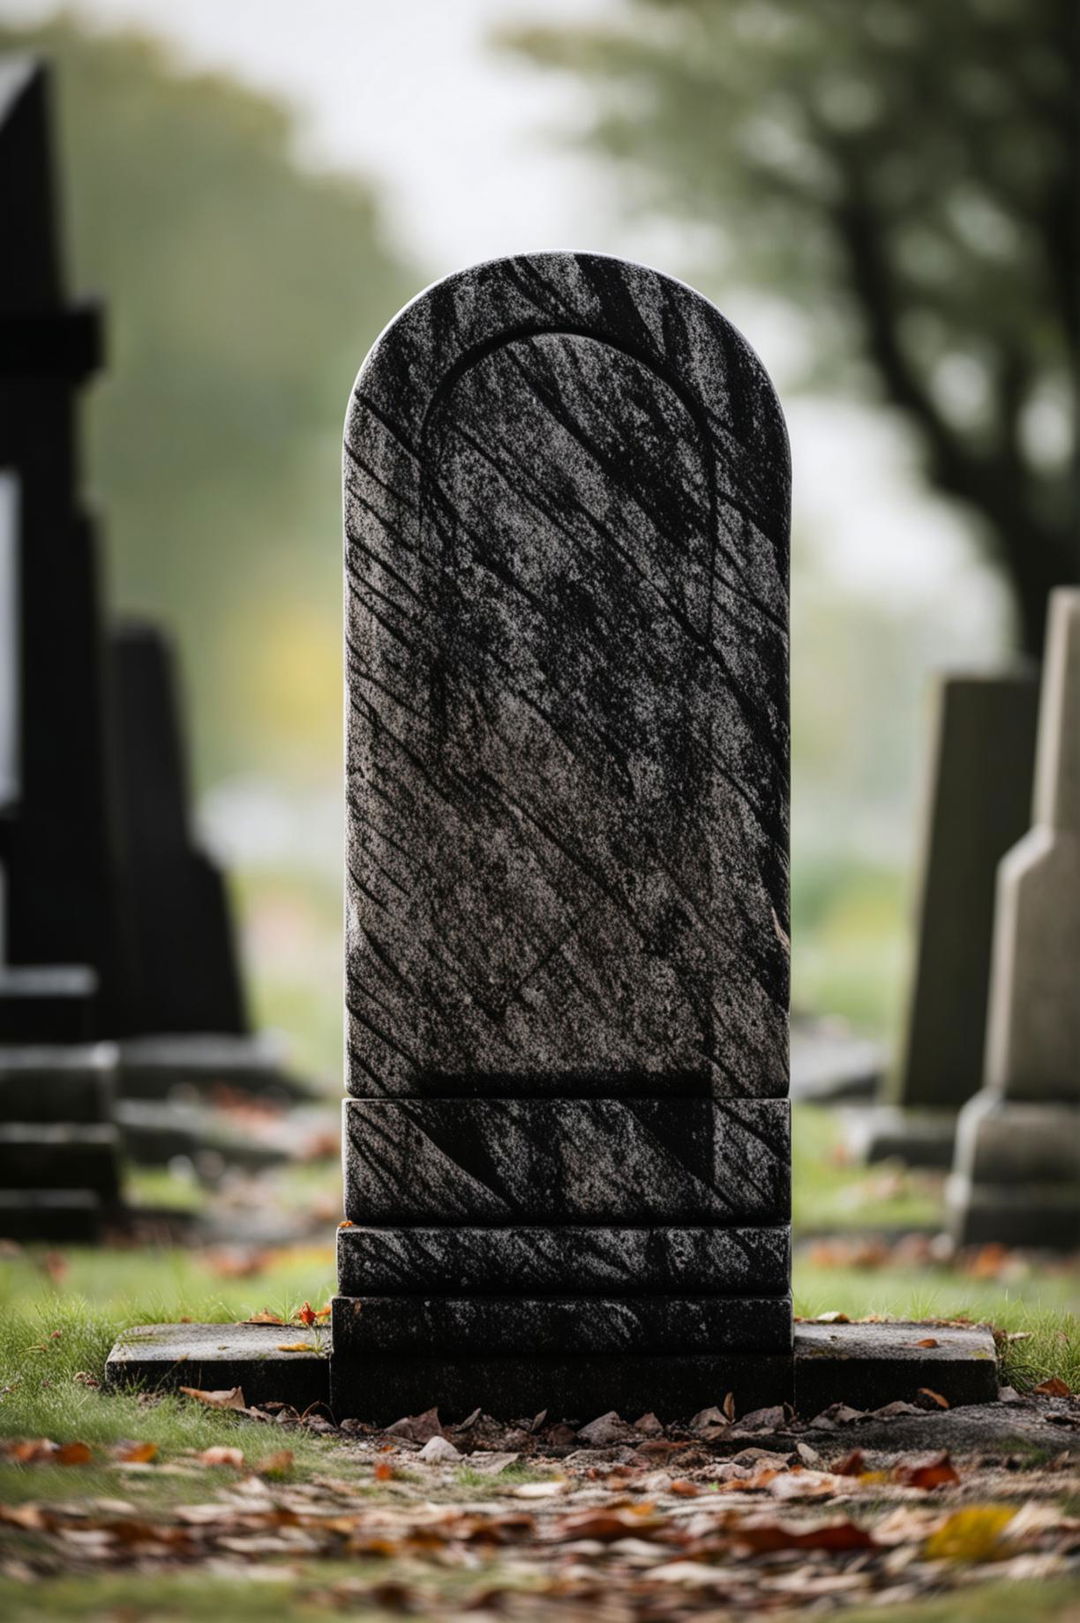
(242, 291)
(904, 174)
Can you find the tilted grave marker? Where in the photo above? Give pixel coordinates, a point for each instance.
(567, 1138)
(1017, 1177)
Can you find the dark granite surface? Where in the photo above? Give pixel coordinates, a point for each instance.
(547, 1260)
(566, 548)
(545, 1324)
(565, 1160)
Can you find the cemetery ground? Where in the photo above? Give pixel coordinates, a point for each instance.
(128, 1504)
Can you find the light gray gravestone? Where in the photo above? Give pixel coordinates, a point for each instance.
(978, 806)
(567, 1137)
(1017, 1169)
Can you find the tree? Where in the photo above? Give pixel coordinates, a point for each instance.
(241, 292)
(906, 174)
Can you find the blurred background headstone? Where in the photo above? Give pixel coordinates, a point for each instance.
(1017, 1178)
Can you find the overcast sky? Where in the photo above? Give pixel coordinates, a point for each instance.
(466, 146)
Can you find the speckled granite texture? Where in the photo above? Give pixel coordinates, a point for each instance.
(540, 1260)
(547, 1324)
(566, 512)
(566, 526)
(587, 1161)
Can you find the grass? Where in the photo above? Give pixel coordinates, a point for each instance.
(60, 1312)
(829, 1193)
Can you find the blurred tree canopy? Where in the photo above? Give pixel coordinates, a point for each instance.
(242, 291)
(903, 172)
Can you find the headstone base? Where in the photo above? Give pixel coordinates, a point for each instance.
(155, 1067)
(919, 1138)
(35, 1155)
(862, 1365)
(382, 1388)
(52, 1216)
(1017, 1178)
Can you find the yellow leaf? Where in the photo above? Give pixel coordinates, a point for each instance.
(975, 1533)
(295, 1346)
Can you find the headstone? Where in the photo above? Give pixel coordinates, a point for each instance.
(59, 851)
(1017, 1168)
(59, 953)
(978, 806)
(567, 1137)
(188, 972)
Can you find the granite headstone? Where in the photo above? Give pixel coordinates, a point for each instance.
(1017, 1168)
(978, 805)
(188, 971)
(567, 1137)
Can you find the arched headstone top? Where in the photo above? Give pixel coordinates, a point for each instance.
(566, 514)
(659, 321)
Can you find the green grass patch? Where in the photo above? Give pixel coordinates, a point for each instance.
(830, 1193)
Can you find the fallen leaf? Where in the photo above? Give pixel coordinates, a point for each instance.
(684, 1489)
(72, 1454)
(383, 1471)
(135, 1453)
(853, 1464)
(263, 1318)
(297, 1346)
(934, 1400)
(928, 1341)
(1055, 1387)
(606, 1429)
(975, 1534)
(417, 1428)
(275, 1465)
(221, 1454)
(832, 1318)
(781, 1536)
(307, 1315)
(933, 1471)
(728, 1406)
(230, 1398)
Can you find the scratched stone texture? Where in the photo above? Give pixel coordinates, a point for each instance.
(566, 501)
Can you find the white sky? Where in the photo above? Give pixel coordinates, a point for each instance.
(467, 147)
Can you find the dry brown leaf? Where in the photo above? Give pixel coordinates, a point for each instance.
(832, 1318)
(230, 1398)
(934, 1471)
(307, 1315)
(934, 1400)
(853, 1464)
(297, 1346)
(263, 1318)
(684, 1489)
(928, 1341)
(728, 1406)
(781, 1536)
(221, 1454)
(1055, 1387)
(383, 1471)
